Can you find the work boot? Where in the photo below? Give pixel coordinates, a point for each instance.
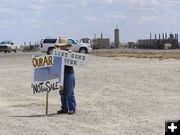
(62, 112)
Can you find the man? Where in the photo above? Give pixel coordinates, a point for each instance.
(67, 94)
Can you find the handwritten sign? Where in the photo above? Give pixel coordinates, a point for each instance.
(42, 61)
(71, 58)
(48, 73)
(45, 86)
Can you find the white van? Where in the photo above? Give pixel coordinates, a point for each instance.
(48, 44)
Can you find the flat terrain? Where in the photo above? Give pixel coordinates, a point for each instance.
(138, 53)
(115, 96)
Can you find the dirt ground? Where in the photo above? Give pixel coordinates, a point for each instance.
(138, 53)
(115, 96)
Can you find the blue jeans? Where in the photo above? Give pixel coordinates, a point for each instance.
(67, 94)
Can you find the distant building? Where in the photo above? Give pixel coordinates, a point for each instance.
(163, 42)
(131, 44)
(101, 43)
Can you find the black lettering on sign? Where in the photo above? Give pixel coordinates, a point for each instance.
(62, 54)
(79, 57)
(76, 56)
(72, 55)
(75, 62)
(71, 62)
(66, 54)
(45, 87)
(66, 61)
(37, 88)
(48, 87)
(53, 86)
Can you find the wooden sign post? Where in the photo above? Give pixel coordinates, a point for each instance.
(47, 94)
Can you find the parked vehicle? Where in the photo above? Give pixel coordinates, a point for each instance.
(48, 44)
(79, 47)
(7, 46)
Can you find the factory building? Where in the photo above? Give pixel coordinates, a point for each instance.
(160, 42)
(101, 43)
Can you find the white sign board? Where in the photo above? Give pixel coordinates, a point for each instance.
(46, 86)
(71, 58)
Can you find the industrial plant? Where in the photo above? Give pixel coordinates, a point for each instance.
(161, 42)
(155, 41)
(158, 41)
(103, 43)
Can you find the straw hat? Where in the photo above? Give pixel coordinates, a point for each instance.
(62, 42)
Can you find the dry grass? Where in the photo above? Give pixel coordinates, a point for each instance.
(138, 54)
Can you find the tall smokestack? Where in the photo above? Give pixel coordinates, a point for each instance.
(101, 35)
(116, 38)
(163, 36)
(177, 36)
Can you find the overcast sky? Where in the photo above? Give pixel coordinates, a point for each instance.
(30, 20)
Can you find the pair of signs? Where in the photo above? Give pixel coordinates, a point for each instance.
(48, 70)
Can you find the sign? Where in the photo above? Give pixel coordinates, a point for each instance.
(48, 73)
(43, 61)
(45, 86)
(71, 58)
